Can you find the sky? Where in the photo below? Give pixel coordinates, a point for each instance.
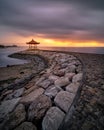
(52, 22)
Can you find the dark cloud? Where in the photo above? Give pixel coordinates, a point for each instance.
(68, 19)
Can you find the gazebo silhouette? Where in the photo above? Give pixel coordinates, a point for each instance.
(32, 44)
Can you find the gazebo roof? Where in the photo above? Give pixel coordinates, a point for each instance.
(33, 42)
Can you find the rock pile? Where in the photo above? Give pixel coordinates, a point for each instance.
(46, 99)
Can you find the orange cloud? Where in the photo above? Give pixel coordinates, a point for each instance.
(21, 41)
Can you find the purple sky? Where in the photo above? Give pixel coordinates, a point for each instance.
(80, 20)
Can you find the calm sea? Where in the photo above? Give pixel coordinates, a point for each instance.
(94, 50)
(5, 60)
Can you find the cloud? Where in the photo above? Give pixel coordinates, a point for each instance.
(68, 19)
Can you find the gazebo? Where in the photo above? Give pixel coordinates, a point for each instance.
(32, 44)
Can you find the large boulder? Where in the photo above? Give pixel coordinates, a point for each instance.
(63, 81)
(53, 119)
(77, 77)
(32, 96)
(64, 100)
(72, 88)
(26, 126)
(51, 91)
(38, 107)
(15, 118)
(7, 106)
(44, 84)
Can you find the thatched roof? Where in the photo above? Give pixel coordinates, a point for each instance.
(33, 42)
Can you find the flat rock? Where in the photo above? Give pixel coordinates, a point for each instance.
(15, 118)
(63, 100)
(26, 126)
(51, 91)
(7, 106)
(63, 81)
(77, 78)
(32, 96)
(72, 88)
(53, 119)
(38, 107)
(44, 84)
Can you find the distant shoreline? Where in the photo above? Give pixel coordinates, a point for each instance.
(3, 46)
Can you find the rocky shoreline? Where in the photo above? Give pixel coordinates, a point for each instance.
(56, 96)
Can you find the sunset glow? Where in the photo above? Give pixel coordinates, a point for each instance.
(52, 23)
(21, 41)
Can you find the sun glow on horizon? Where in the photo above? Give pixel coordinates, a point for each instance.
(67, 43)
(21, 41)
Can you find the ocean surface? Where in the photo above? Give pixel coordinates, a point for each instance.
(5, 60)
(94, 50)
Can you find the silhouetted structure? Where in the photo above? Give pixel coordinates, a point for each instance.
(33, 44)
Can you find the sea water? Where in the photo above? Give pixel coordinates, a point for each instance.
(5, 60)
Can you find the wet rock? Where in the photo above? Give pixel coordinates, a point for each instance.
(51, 91)
(53, 119)
(15, 118)
(77, 78)
(31, 96)
(7, 106)
(44, 84)
(38, 107)
(26, 126)
(63, 81)
(63, 100)
(72, 88)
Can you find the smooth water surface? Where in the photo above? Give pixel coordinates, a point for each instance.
(94, 50)
(5, 60)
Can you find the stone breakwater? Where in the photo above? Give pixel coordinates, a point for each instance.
(44, 101)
